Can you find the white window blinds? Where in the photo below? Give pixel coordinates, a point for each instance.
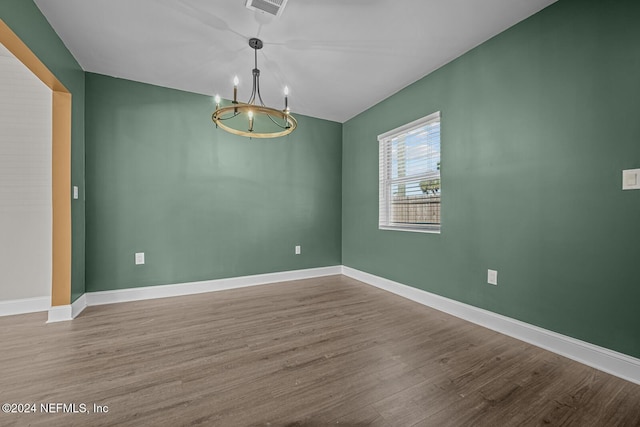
(409, 172)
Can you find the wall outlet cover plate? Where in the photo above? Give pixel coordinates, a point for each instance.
(139, 258)
(492, 277)
(631, 179)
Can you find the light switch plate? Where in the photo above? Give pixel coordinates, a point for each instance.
(75, 192)
(631, 179)
(139, 258)
(297, 249)
(492, 277)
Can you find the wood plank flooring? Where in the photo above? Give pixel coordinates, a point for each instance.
(327, 351)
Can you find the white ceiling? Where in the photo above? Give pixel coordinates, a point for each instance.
(338, 57)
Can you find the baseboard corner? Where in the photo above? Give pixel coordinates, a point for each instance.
(60, 313)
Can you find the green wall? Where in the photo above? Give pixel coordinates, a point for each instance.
(25, 19)
(537, 125)
(202, 204)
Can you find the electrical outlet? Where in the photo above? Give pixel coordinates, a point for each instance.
(492, 277)
(298, 250)
(139, 258)
(631, 179)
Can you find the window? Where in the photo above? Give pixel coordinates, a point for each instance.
(410, 187)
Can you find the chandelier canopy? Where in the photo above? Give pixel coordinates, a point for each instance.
(253, 119)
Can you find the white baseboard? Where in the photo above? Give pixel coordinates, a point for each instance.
(69, 312)
(164, 291)
(60, 313)
(78, 306)
(612, 362)
(25, 305)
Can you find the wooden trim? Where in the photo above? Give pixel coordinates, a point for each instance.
(61, 170)
(21, 51)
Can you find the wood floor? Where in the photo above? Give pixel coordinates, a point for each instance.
(328, 351)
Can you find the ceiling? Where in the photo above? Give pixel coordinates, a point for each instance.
(338, 57)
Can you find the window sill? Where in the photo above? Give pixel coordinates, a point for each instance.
(410, 229)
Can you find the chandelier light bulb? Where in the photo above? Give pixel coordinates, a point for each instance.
(217, 99)
(235, 90)
(286, 100)
(250, 114)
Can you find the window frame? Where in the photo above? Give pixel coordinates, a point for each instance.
(385, 182)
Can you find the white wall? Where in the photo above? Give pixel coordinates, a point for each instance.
(25, 182)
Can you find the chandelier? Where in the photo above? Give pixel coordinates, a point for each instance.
(253, 119)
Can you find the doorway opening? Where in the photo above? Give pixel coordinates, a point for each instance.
(60, 141)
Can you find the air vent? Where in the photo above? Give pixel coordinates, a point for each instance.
(272, 7)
